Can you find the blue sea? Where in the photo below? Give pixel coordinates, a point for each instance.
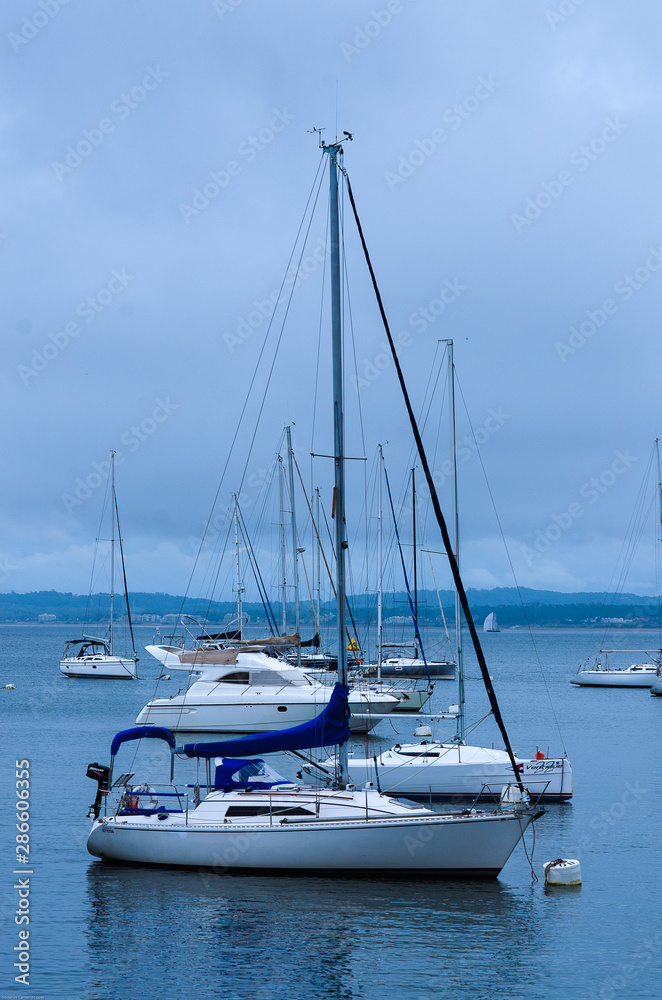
(107, 932)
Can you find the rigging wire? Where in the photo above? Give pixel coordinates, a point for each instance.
(316, 184)
(404, 571)
(437, 507)
(512, 569)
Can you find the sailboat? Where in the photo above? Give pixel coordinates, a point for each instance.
(603, 673)
(645, 674)
(251, 819)
(446, 769)
(92, 656)
(407, 659)
(490, 624)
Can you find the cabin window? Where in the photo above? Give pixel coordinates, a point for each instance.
(265, 811)
(239, 677)
(268, 678)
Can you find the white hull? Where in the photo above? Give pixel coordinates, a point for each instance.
(630, 677)
(477, 844)
(404, 666)
(410, 701)
(252, 693)
(657, 683)
(256, 713)
(440, 771)
(99, 667)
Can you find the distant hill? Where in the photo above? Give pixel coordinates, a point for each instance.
(541, 607)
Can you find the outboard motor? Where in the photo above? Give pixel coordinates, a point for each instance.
(101, 774)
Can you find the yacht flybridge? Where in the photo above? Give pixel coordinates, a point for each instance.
(258, 822)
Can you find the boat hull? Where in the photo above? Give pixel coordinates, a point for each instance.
(481, 775)
(657, 684)
(99, 667)
(416, 669)
(410, 701)
(458, 846)
(252, 716)
(642, 678)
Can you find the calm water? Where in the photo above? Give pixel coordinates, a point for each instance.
(103, 932)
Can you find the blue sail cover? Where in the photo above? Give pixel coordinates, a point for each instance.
(137, 733)
(327, 729)
(225, 781)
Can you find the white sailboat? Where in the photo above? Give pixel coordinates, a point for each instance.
(490, 624)
(91, 656)
(446, 769)
(261, 822)
(644, 674)
(603, 674)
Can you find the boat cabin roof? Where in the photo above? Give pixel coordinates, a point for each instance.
(91, 644)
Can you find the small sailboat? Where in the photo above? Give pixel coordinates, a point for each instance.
(405, 659)
(251, 820)
(490, 624)
(92, 656)
(603, 674)
(644, 674)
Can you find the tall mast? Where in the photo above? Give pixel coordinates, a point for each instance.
(240, 589)
(456, 545)
(659, 486)
(413, 512)
(283, 565)
(335, 153)
(659, 481)
(295, 551)
(112, 546)
(380, 568)
(317, 564)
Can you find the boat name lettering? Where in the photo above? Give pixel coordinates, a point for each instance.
(543, 766)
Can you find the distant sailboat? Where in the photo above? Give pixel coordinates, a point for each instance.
(490, 624)
(91, 656)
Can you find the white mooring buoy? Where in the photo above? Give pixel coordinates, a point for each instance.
(563, 871)
(9, 687)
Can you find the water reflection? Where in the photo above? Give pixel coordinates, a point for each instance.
(269, 937)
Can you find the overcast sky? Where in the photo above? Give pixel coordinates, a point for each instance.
(156, 162)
